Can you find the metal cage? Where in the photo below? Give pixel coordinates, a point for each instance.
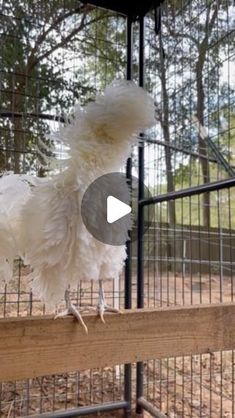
(183, 53)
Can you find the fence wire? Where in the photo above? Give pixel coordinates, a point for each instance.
(48, 64)
(189, 247)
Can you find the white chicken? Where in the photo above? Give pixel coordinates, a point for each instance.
(40, 219)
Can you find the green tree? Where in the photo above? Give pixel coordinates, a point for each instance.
(189, 63)
(38, 39)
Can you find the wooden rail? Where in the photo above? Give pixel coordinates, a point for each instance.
(37, 346)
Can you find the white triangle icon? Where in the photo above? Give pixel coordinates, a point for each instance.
(116, 209)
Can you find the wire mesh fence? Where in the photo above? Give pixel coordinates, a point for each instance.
(189, 248)
(55, 54)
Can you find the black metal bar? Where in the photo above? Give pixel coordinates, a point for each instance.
(191, 191)
(127, 388)
(32, 115)
(128, 263)
(229, 168)
(219, 156)
(134, 9)
(129, 47)
(84, 410)
(140, 222)
(179, 149)
(147, 406)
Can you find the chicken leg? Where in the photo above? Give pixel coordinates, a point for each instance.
(102, 306)
(71, 309)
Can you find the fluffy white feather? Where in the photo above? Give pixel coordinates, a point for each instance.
(15, 190)
(46, 223)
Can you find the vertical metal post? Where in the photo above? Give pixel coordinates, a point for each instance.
(140, 242)
(128, 264)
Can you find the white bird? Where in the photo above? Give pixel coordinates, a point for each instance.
(40, 219)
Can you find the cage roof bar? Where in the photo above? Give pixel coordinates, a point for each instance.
(125, 7)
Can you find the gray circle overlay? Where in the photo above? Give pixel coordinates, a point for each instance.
(94, 209)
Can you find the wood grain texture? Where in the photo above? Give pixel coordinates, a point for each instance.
(38, 346)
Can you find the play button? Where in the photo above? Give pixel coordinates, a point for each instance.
(116, 209)
(109, 209)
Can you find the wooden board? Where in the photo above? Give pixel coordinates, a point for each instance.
(38, 346)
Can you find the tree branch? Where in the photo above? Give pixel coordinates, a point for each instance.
(54, 24)
(182, 35)
(209, 25)
(64, 41)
